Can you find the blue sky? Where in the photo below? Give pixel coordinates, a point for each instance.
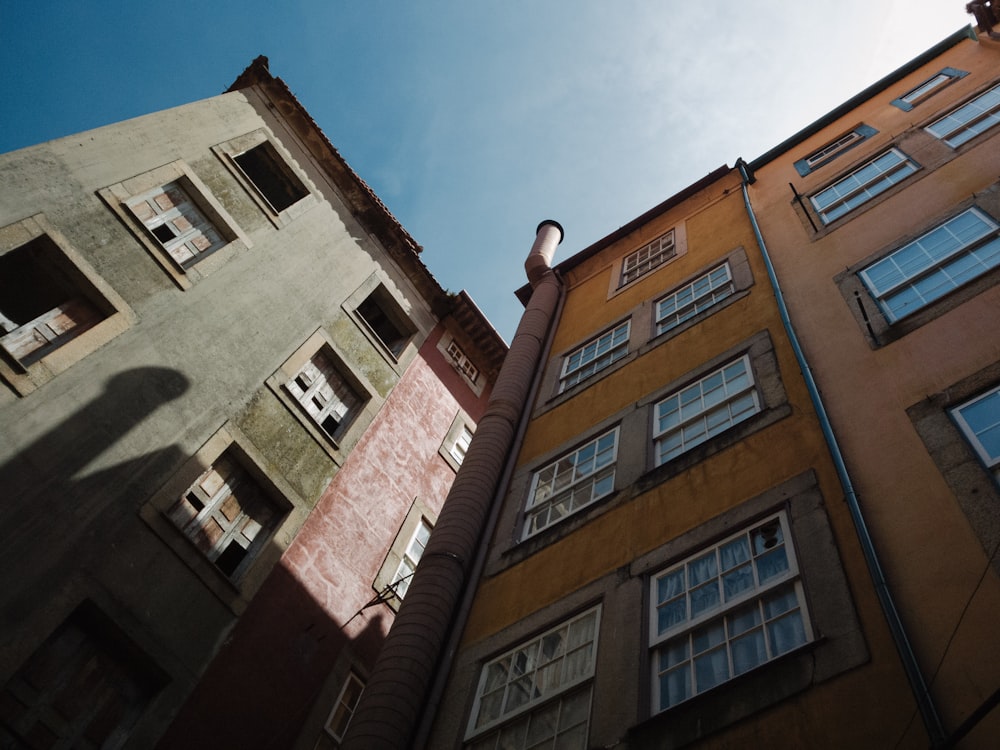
(475, 120)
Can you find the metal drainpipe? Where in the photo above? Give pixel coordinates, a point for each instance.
(441, 675)
(392, 704)
(928, 712)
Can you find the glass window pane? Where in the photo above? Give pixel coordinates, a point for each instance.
(675, 686)
(749, 651)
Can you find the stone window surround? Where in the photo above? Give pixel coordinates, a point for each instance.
(397, 313)
(978, 94)
(445, 341)
(622, 673)
(975, 489)
(906, 163)
(119, 316)
(875, 327)
(907, 102)
(337, 448)
(226, 152)
(116, 197)
(419, 510)
(235, 595)
(839, 644)
(454, 432)
(834, 149)
(642, 336)
(635, 472)
(473, 734)
(615, 287)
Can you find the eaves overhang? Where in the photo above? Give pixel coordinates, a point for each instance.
(876, 88)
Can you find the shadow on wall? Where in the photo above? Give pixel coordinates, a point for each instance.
(45, 505)
(256, 682)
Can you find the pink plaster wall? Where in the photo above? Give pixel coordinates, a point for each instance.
(267, 675)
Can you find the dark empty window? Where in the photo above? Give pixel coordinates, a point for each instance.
(271, 176)
(41, 302)
(84, 687)
(378, 312)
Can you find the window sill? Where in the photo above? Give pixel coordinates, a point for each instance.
(725, 704)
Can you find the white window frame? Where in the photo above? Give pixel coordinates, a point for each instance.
(988, 454)
(738, 598)
(348, 707)
(713, 414)
(411, 557)
(928, 88)
(460, 446)
(950, 255)
(323, 393)
(648, 257)
(862, 184)
(681, 304)
(462, 362)
(964, 123)
(549, 665)
(554, 496)
(595, 355)
(833, 148)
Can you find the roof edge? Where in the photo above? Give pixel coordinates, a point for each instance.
(524, 293)
(883, 83)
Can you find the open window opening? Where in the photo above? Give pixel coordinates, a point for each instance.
(271, 176)
(44, 301)
(382, 315)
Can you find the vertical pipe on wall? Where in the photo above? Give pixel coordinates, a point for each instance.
(393, 701)
(925, 703)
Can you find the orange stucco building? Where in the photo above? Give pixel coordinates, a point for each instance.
(882, 222)
(751, 492)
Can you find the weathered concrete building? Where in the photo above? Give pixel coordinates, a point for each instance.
(233, 400)
(698, 542)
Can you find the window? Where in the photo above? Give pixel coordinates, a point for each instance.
(461, 445)
(863, 184)
(835, 148)
(594, 356)
(272, 178)
(381, 316)
(979, 420)
(965, 123)
(692, 298)
(959, 250)
(324, 394)
(704, 409)
(42, 305)
(648, 257)
(725, 611)
(84, 687)
(227, 515)
(572, 482)
(177, 220)
(177, 223)
(540, 686)
(347, 703)
(932, 85)
(462, 362)
(414, 551)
